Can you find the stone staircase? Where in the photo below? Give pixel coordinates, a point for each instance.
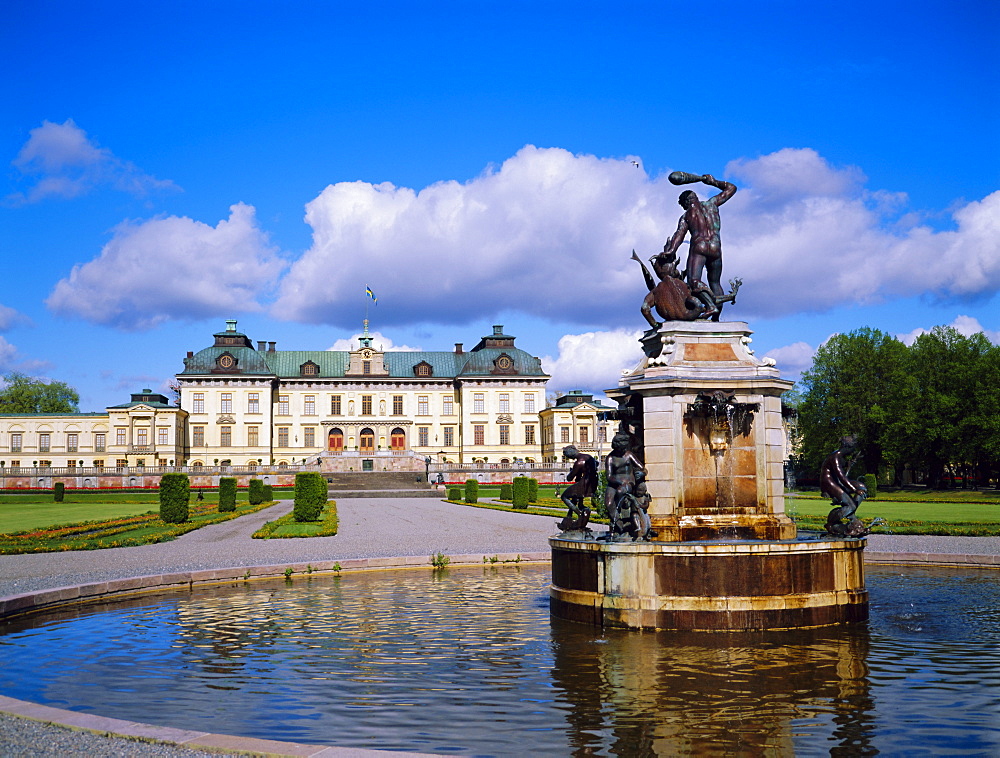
(379, 484)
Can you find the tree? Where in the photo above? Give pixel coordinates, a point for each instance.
(23, 394)
(858, 385)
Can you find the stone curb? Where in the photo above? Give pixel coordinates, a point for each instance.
(934, 559)
(35, 601)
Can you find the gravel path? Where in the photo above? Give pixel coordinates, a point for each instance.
(369, 528)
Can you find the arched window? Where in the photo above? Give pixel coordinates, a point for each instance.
(398, 440)
(367, 437)
(336, 440)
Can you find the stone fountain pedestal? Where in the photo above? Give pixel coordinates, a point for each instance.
(726, 556)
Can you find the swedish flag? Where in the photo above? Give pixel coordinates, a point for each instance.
(368, 291)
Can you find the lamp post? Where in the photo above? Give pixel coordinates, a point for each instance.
(427, 469)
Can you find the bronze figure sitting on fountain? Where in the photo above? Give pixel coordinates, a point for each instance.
(847, 494)
(626, 498)
(585, 481)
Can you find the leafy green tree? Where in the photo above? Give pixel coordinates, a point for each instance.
(23, 394)
(858, 385)
(955, 424)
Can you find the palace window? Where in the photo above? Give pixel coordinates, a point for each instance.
(282, 436)
(15, 442)
(449, 436)
(44, 442)
(282, 405)
(529, 403)
(198, 436)
(99, 465)
(504, 434)
(448, 405)
(602, 434)
(564, 434)
(423, 436)
(100, 442)
(253, 402)
(310, 405)
(226, 405)
(72, 442)
(161, 436)
(253, 436)
(479, 434)
(335, 405)
(504, 402)
(309, 436)
(584, 435)
(397, 405)
(366, 405)
(121, 463)
(226, 433)
(479, 403)
(366, 367)
(529, 434)
(423, 405)
(142, 437)
(198, 403)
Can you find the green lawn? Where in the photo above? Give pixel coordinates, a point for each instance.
(34, 515)
(36, 509)
(902, 510)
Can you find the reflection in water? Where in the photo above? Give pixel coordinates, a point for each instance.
(696, 693)
(467, 661)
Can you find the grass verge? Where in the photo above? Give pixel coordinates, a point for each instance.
(127, 531)
(914, 516)
(287, 527)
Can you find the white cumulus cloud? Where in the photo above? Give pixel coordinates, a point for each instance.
(378, 340)
(9, 318)
(172, 268)
(592, 361)
(965, 325)
(549, 233)
(60, 160)
(792, 359)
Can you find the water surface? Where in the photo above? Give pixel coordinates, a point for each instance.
(467, 661)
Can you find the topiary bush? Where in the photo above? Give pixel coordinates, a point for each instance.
(58, 492)
(532, 490)
(255, 492)
(520, 487)
(268, 494)
(175, 493)
(227, 494)
(471, 491)
(871, 482)
(310, 495)
(454, 493)
(506, 491)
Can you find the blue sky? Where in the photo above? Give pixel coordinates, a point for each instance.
(171, 166)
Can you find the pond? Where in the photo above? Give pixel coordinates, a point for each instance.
(467, 661)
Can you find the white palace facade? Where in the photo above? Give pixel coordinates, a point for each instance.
(245, 408)
(364, 409)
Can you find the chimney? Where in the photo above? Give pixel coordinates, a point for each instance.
(190, 354)
(458, 347)
(261, 344)
(270, 346)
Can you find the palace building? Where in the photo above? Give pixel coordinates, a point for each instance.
(363, 409)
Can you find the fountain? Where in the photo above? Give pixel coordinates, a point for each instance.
(703, 414)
